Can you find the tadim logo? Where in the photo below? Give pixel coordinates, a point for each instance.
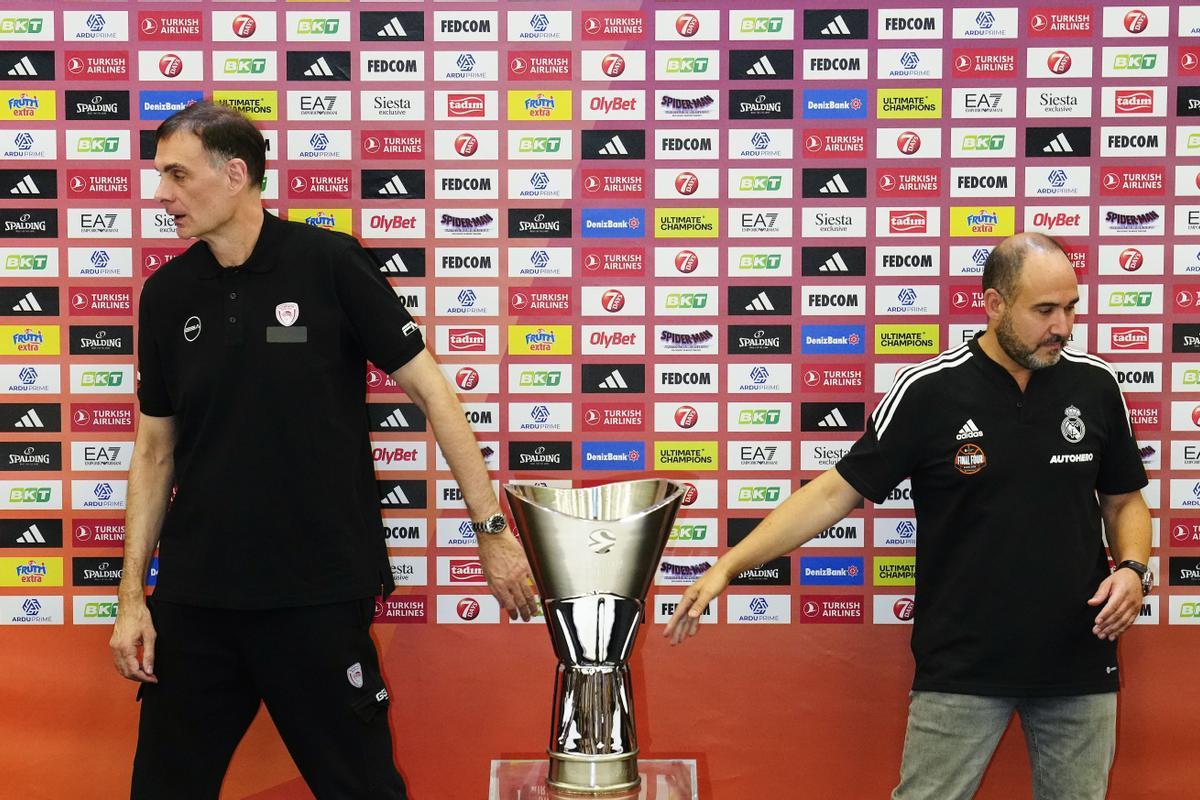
(468, 608)
(466, 144)
(1131, 259)
(907, 221)
(244, 26)
(908, 142)
(170, 65)
(612, 300)
(686, 261)
(1136, 21)
(686, 417)
(687, 25)
(467, 378)
(1059, 62)
(613, 65)
(1131, 338)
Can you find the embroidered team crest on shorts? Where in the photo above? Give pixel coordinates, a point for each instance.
(287, 313)
(354, 675)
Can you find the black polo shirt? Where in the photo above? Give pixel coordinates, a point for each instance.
(1009, 543)
(263, 367)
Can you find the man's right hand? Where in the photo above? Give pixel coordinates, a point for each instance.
(686, 619)
(134, 628)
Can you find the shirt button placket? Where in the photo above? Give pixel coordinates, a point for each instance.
(232, 304)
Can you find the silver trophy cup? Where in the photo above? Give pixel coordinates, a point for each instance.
(593, 553)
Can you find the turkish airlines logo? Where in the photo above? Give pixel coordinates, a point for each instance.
(1111, 180)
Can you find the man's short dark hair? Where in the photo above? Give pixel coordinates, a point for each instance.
(1002, 270)
(224, 132)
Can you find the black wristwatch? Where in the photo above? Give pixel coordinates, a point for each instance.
(1143, 572)
(493, 524)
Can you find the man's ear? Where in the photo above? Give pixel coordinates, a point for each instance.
(237, 175)
(994, 304)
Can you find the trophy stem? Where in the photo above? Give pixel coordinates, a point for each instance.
(594, 745)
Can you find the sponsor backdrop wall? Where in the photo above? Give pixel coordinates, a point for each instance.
(695, 242)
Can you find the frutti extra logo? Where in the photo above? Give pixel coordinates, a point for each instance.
(536, 340)
(539, 106)
(31, 571)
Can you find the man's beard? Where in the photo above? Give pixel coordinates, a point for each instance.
(1027, 357)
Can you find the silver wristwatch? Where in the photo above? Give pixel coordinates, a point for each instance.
(493, 524)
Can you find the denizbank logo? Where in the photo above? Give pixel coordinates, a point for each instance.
(895, 570)
(835, 103)
(908, 104)
(906, 339)
(688, 456)
(831, 571)
(833, 339)
(158, 105)
(996, 221)
(675, 223)
(614, 455)
(614, 223)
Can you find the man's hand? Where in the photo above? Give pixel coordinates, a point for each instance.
(686, 619)
(507, 573)
(134, 628)
(1121, 594)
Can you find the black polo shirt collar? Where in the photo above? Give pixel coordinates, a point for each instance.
(262, 257)
(997, 373)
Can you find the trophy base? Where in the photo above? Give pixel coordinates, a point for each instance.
(593, 774)
(673, 779)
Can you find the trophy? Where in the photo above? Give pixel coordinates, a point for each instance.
(593, 553)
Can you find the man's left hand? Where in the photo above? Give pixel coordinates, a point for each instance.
(507, 573)
(1121, 594)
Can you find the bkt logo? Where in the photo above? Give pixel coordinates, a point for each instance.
(687, 65)
(317, 26)
(39, 494)
(1130, 299)
(245, 65)
(759, 494)
(540, 377)
(101, 378)
(98, 144)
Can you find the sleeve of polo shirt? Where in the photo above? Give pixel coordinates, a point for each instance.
(1121, 470)
(385, 329)
(889, 450)
(153, 398)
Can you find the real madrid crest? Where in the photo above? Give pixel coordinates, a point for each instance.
(1072, 426)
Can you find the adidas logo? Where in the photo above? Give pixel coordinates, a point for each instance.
(394, 186)
(761, 67)
(393, 264)
(969, 430)
(615, 147)
(319, 69)
(28, 303)
(1058, 144)
(835, 185)
(834, 419)
(394, 420)
(834, 263)
(396, 497)
(760, 303)
(25, 186)
(614, 381)
(30, 419)
(31, 536)
(836, 27)
(392, 30)
(24, 68)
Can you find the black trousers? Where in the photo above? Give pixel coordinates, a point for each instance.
(316, 669)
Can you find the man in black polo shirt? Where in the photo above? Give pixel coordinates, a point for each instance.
(252, 351)
(1017, 449)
